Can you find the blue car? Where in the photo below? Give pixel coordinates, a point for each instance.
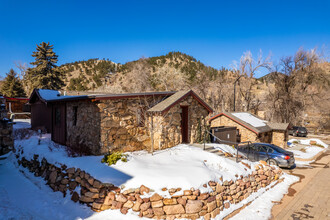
(270, 153)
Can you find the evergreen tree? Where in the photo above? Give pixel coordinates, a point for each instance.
(12, 86)
(45, 74)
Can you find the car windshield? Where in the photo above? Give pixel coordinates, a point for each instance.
(302, 128)
(278, 149)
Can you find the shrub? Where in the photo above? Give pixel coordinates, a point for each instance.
(112, 158)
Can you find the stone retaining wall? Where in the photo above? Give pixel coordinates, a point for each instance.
(191, 204)
(6, 137)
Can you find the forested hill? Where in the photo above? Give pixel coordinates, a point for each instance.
(95, 74)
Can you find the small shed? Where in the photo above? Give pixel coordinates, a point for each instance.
(41, 108)
(249, 127)
(252, 128)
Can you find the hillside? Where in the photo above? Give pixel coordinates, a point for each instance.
(87, 75)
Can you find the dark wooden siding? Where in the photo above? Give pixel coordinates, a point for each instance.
(59, 123)
(41, 116)
(225, 133)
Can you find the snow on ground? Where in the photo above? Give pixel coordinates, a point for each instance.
(307, 142)
(172, 168)
(178, 167)
(300, 163)
(261, 207)
(307, 152)
(224, 148)
(310, 152)
(250, 119)
(22, 123)
(25, 196)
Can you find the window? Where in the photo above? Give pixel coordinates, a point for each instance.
(75, 113)
(57, 116)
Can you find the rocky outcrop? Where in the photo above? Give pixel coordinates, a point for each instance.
(191, 203)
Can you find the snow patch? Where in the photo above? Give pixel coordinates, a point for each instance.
(250, 119)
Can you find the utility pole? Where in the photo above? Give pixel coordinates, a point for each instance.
(235, 91)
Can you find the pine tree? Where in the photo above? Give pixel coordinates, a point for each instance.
(45, 74)
(12, 86)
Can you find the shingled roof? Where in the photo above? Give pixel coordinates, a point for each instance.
(176, 98)
(278, 126)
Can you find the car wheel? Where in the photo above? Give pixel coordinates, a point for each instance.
(272, 162)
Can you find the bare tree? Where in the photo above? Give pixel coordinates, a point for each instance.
(247, 68)
(299, 85)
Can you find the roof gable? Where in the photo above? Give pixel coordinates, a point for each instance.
(176, 98)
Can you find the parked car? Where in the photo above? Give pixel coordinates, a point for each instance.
(298, 131)
(270, 153)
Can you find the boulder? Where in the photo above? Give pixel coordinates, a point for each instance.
(136, 206)
(155, 197)
(121, 198)
(145, 206)
(129, 204)
(174, 209)
(144, 189)
(194, 206)
(171, 201)
(75, 197)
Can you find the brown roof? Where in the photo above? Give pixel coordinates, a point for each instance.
(174, 99)
(113, 96)
(129, 95)
(278, 126)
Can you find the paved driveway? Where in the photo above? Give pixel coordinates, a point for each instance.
(310, 197)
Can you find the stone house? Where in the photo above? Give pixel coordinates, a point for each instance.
(252, 128)
(97, 124)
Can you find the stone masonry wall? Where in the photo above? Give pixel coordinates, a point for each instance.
(86, 133)
(124, 125)
(167, 132)
(279, 138)
(187, 203)
(6, 137)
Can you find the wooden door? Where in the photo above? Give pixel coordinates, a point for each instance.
(59, 123)
(184, 124)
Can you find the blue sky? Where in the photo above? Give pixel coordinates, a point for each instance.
(214, 32)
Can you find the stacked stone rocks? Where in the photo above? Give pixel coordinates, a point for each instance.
(190, 204)
(6, 137)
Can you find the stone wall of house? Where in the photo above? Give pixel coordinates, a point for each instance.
(280, 138)
(124, 125)
(246, 134)
(186, 203)
(85, 135)
(265, 137)
(6, 137)
(167, 126)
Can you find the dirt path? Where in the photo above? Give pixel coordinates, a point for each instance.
(310, 197)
